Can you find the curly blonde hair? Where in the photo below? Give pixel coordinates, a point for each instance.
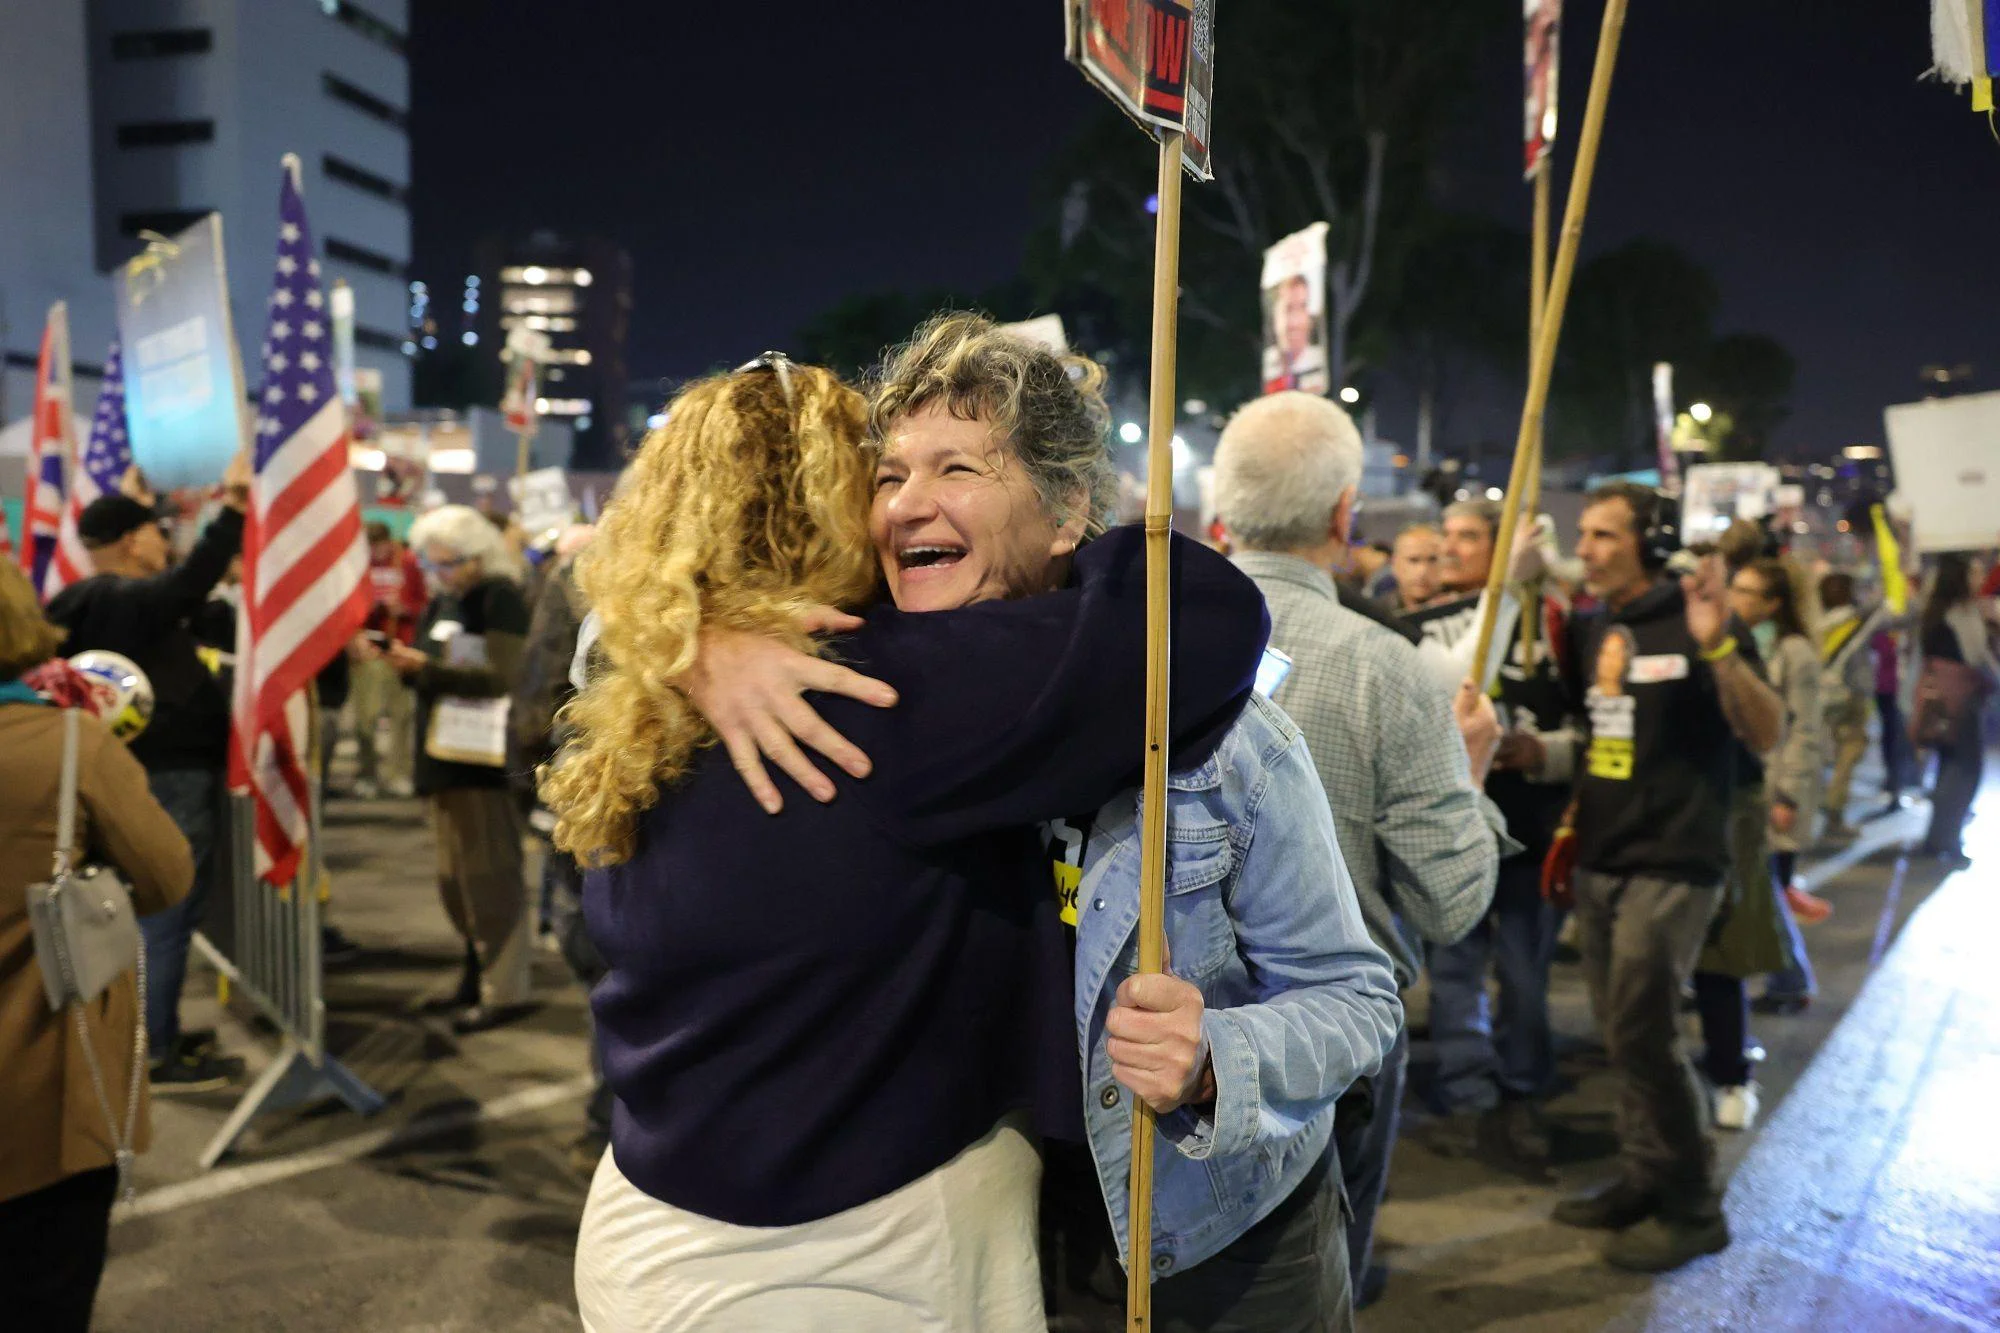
(747, 506)
(1050, 409)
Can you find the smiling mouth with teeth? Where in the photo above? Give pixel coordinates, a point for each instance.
(929, 557)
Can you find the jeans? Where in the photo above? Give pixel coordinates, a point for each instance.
(1724, 1004)
(1364, 1132)
(562, 887)
(1958, 774)
(1796, 981)
(1483, 1057)
(1639, 936)
(1896, 759)
(1286, 1274)
(192, 799)
(52, 1244)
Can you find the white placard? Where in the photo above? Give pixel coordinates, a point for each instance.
(1947, 458)
(542, 501)
(469, 731)
(1717, 494)
(1046, 330)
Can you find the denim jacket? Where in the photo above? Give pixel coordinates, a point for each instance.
(1262, 917)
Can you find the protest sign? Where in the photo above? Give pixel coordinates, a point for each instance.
(184, 396)
(1155, 59)
(1541, 64)
(1294, 302)
(1947, 458)
(1043, 330)
(542, 500)
(1720, 493)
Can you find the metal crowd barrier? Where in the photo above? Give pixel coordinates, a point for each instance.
(267, 944)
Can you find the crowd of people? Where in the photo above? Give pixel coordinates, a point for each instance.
(870, 1026)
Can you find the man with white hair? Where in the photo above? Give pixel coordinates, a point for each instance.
(1401, 762)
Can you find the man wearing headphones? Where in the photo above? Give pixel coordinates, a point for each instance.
(1664, 688)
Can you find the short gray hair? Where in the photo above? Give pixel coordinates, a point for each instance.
(1049, 408)
(466, 532)
(1281, 467)
(1485, 510)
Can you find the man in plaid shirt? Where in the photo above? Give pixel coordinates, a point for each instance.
(1401, 761)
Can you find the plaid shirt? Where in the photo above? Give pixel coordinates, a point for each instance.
(1423, 845)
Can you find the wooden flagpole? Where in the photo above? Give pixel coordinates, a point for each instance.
(1153, 810)
(1542, 366)
(1538, 296)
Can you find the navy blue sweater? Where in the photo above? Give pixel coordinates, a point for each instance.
(808, 1011)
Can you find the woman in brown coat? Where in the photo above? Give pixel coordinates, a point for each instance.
(56, 1174)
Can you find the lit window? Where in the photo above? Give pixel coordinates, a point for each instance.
(582, 277)
(534, 275)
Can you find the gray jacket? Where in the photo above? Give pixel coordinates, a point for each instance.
(1423, 845)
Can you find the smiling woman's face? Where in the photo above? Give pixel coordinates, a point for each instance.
(956, 518)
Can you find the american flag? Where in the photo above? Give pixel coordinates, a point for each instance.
(305, 563)
(54, 444)
(105, 459)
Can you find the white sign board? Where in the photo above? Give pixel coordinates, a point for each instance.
(1718, 494)
(1043, 330)
(1947, 457)
(542, 501)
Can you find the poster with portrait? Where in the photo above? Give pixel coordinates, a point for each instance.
(1540, 69)
(1612, 709)
(1155, 59)
(184, 395)
(1720, 493)
(1294, 303)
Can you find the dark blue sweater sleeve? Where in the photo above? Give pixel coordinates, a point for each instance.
(1014, 712)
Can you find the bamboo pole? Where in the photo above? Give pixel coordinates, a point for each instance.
(1153, 811)
(1542, 366)
(1538, 296)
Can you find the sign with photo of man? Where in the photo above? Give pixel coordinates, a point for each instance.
(1540, 68)
(1294, 287)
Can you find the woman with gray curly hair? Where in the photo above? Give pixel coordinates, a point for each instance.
(466, 661)
(992, 467)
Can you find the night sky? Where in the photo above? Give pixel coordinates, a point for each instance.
(762, 161)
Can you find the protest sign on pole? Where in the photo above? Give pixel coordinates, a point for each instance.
(1155, 59)
(1965, 44)
(1718, 494)
(1293, 297)
(542, 501)
(1542, 368)
(184, 394)
(1541, 65)
(1947, 457)
(525, 349)
(1663, 425)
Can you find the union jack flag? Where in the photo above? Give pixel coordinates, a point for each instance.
(105, 459)
(54, 444)
(305, 563)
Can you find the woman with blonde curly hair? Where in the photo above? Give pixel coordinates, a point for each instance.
(825, 1027)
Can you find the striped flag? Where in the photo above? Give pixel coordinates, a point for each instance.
(54, 445)
(105, 459)
(305, 563)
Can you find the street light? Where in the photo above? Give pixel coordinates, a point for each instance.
(1131, 432)
(1701, 412)
(1350, 395)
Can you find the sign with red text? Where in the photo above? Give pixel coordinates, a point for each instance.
(1155, 59)
(1540, 66)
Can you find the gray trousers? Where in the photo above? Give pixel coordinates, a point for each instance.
(1639, 937)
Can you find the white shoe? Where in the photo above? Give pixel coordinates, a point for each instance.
(1736, 1108)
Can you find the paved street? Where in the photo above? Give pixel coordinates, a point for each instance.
(1869, 1198)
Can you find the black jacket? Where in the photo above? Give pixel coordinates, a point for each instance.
(1653, 785)
(149, 620)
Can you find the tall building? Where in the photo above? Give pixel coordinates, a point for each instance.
(122, 116)
(577, 291)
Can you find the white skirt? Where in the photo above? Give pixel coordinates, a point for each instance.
(951, 1252)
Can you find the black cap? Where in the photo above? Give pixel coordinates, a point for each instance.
(109, 517)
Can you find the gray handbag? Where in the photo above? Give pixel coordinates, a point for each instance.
(86, 937)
